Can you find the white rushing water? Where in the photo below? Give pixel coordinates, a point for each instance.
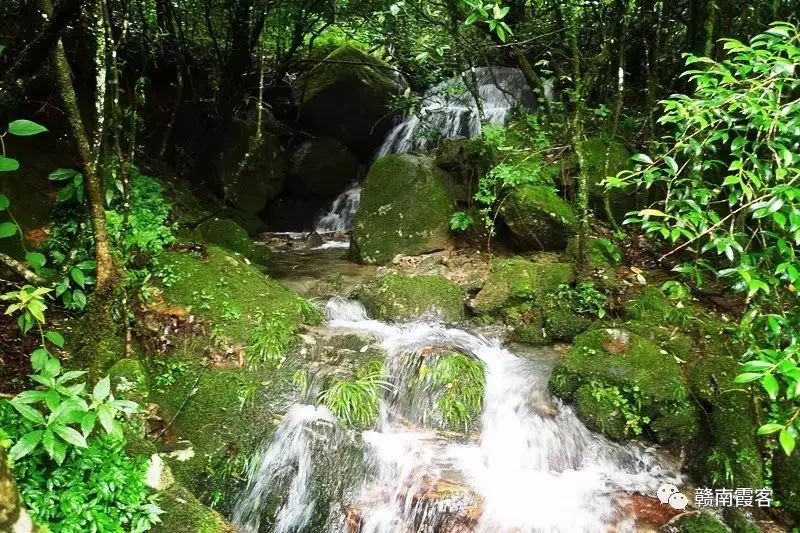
(449, 110)
(342, 212)
(530, 466)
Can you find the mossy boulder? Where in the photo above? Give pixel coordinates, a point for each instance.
(397, 297)
(537, 219)
(406, 204)
(596, 148)
(323, 167)
(600, 413)
(731, 449)
(525, 323)
(228, 234)
(515, 279)
(252, 171)
(346, 96)
(227, 294)
(696, 522)
(183, 513)
(129, 380)
(626, 364)
(467, 161)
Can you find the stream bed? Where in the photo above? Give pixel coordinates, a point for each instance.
(529, 465)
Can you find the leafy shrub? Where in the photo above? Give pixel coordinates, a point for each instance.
(270, 339)
(627, 401)
(97, 488)
(584, 299)
(732, 171)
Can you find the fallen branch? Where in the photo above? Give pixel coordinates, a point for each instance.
(19, 268)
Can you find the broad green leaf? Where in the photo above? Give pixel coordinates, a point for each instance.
(29, 412)
(766, 429)
(105, 414)
(747, 377)
(102, 389)
(88, 422)
(78, 276)
(38, 358)
(25, 128)
(52, 367)
(770, 384)
(35, 260)
(642, 158)
(4, 202)
(8, 164)
(787, 441)
(62, 174)
(49, 443)
(55, 337)
(70, 435)
(652, 213)
(29, 396)
(69, 376)
(7, 229)
(25, 445)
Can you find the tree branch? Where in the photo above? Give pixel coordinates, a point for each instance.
(19, 268)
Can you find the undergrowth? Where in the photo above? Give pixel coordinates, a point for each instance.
(355, 400)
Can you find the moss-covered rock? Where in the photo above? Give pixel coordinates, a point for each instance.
(406, 204)
(696, 522)
(537, 219)
(227, 234)
(397, 297)
(252, 171)
(525, 323)
(732, 456)
(226, 293)
(183, 513)
(600, 413)
(622, 362)
(346, 96)
(516, 279)
(467, 161)
(786, 482)
(129, 380)
(323, 167)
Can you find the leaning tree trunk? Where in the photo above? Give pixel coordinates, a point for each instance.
(97, 350)
(13, 517)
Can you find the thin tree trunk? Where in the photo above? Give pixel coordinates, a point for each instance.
(534, 82)
(106, 269)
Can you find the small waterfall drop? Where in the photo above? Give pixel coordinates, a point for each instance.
(449, 109)
(342, 212)
(531, 466)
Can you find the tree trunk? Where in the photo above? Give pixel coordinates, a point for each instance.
(13, 517)
(534, 82)
(106, 268)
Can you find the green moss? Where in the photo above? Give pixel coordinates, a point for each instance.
(538, 219)
(343, 63)
(526, 323)
(228, 294)
(563, 324)
(129, 380)
(406, 204)
(621, 359)
(515, 279)
(600, 412)
(733, 457)
(698, 522)
(227, 234)
(183, 513)
(397, 297)
(786, 482)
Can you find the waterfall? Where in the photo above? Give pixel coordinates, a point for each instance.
(529, 466)
(342, 211)
(449, 110)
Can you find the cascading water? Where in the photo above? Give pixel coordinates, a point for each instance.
(342, 212)
(449, 111)
(531, 466)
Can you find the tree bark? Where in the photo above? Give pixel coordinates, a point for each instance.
(534, 82)
(106, 268)
(13, 517)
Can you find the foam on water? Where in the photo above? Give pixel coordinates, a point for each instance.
(533, 466)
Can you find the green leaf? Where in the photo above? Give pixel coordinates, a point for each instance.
(7, 229)
(747, 377)
(105, 414)
(78, 275)
(62, 174)
(770, 385)
(69, 376)
(52, 399)
(642, 158)
(102, 389)
(36, 260)
(652, 213)
(25, 128)
(59, 451)
(29, 396)
(25, 445)
(29, 412)
(52, 367)
(787, 441)
(49, 443)
(88, 422)
(126, 406)
(8, 164)
(55, 337)
(767, 429)
(4, 202)
(70, 435)
(38, 358)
